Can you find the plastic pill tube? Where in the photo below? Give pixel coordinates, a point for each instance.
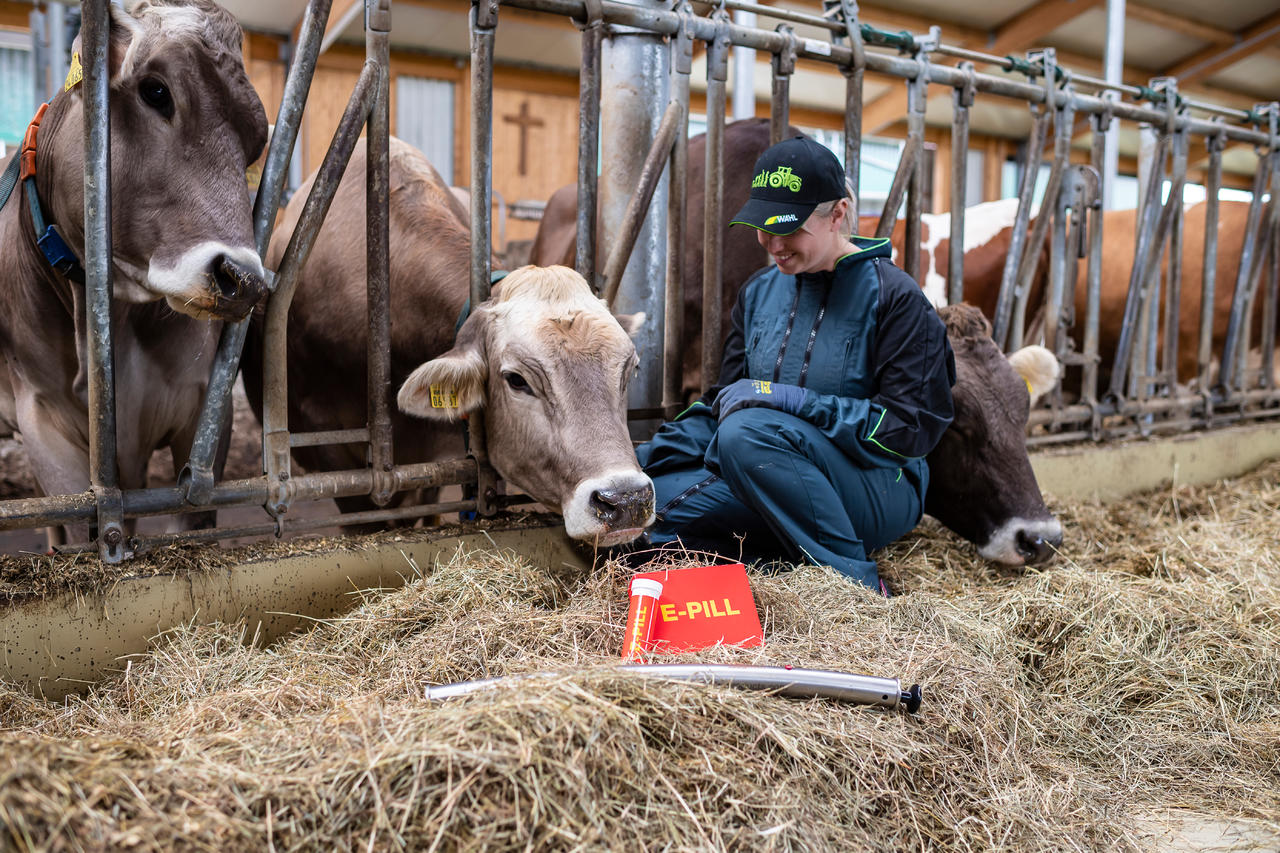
(645, 593)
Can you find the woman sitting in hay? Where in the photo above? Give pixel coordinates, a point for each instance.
(835, 383)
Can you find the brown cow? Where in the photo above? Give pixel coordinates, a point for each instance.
(185, 124)
(980, 480)
(543, 357)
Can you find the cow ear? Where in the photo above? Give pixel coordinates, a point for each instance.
(631, 323)
(124, 28)
(445, 388)
(1038, 367)
(452, 385)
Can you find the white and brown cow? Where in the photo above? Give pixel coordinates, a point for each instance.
(543, 358)
(185, 124)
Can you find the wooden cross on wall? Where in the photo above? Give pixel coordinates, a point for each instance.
(525, 121)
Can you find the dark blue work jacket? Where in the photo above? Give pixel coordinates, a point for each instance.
(864, 342)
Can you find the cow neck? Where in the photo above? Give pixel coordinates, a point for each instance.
(48, 239)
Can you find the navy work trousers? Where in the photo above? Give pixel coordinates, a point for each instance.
(772, 485)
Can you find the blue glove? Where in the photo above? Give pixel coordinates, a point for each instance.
(746, 393)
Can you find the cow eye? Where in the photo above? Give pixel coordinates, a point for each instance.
(517, 383)
(155, 94)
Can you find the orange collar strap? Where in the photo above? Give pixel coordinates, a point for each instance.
(28, 155)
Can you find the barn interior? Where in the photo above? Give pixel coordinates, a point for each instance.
(1122, 697)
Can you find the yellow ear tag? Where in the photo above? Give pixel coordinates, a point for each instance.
(74, 74)
(443, 398)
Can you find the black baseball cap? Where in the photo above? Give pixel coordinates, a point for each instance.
(791, 179)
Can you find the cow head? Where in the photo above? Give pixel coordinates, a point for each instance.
(549, 366)
(980, 480)
(185, 125)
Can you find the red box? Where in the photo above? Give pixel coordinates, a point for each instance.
(702, 607)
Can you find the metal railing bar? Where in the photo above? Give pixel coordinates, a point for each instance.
(638, 205)
(359, 435)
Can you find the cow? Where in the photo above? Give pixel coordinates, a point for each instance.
(981, 485)
(543, 359)
(185, 124)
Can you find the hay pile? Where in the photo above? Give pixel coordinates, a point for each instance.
(1138, 673)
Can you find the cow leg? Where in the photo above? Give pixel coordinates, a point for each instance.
(59, 462)
(815, 499)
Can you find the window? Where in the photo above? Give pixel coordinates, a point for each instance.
(17, 87)
(424, 119)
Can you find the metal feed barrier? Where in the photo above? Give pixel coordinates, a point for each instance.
(655, 42)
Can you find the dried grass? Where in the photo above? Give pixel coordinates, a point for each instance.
(1138, 673)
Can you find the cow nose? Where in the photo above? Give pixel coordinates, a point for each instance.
(622, 508)
(1036, 547)
(237, 288)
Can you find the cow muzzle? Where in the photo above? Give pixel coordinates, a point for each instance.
(235, 288)
(1023, 542)
(610, 510)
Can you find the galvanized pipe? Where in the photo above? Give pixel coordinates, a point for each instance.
(782, 67)
(1209, 277)
(912, 151)
(854, 71)
(677, 193)
(1142, 258)
(917, 93)
(1173, 290)
(783, 681)
(360, 435)
(378, 250)
(1232, 351)
(103, 475)
(1093, 275)
(667, 23)
(634, 95)
(638, 207)
(484, 22)
(1026, 193)
(588, 142)
(137, 503)
(713, 224)
(275, 381)
(962, 100)
(197, 476)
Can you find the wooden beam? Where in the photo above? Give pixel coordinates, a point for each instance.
(1027, 27)
(1215, 58)
(1177, 24)
(1018, 34)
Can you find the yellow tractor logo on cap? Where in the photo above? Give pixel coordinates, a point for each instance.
(779, 177)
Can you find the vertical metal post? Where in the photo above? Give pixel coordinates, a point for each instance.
(1093, 276)
(783, 65)
(1237, 323)
(1173, 287)
(56, 59)
(588, 141)
(484, 23)
(673, 327)
(744, 66)
(853, 102)
(962, 101)
(917, 92)
(1142, 260)
(713, 227)
(1113, 71)
(1209, 278)
(634, 93)
(1026, 194)
(1064, 120)
(197, 476)
(377, 246)
(103, 476)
